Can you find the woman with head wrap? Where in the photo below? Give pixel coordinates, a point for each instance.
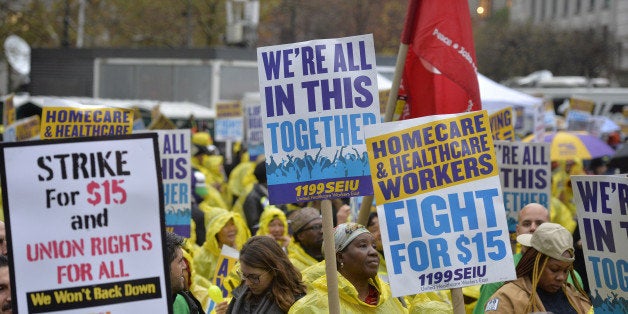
(270, 283)
(541, 284)
(360, 289)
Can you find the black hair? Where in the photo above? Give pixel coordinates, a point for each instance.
(4, 260)
(260, 172)
(173, 241)
(371, 216)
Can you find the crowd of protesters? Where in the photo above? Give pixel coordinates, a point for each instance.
(281, 264)
(232, 208)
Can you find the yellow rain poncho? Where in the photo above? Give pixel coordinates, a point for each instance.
(241, 178)
(430, 302)
(198, 290)
(299, 258)
(316, 299)
(214, 167)
(561, 182)
(267, 216)
(214, 198)
(560, 214)
(317, 270)
(241, 181)
(206, 256)
(215, 177)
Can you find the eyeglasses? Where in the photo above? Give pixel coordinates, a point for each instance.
(314, 227)
(252, 278)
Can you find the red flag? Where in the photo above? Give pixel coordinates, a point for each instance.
(440, 75)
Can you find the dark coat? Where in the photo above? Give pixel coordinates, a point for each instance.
(244, 302)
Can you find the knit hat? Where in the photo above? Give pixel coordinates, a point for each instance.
(345, 233)
(550, 239)
(303, 217)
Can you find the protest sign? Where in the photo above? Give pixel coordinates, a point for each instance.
(22, 130)
(525, 172)
(602, 204)
(8, 111)
(439, 203)
(176, 173)
(316, 98)
(254, 129)
(502, 124)
(226, 263)
(85, 215)
(228, 125)
(65, 122)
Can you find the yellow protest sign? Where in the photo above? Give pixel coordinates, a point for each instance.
(22, 130)
(581, 104)
(226, 262)
(502, 124)
(426, 157)
(8, 112)
(65, 122)
(231, 109)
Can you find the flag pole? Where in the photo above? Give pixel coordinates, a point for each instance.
(406, 37)
(457, 300)
(391, 104)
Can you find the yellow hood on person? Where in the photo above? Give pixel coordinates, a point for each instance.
(220, 228)
(316, 300)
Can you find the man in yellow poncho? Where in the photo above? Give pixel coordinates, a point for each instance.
(307, 232)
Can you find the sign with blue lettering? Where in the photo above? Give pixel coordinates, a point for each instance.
(176, 173)
(317, 97)
(228, 125)
(525, 172)
(602, 203)
(502, 124)
(439, 203)
(254, 129)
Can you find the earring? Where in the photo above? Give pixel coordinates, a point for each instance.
(342, 265)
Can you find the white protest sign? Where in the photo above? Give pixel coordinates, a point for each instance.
(229, 124)
(602, 203)
(316, 98)
(85, 219)
(254, 129)
(176, 173)
(439, 203)
(525, 172)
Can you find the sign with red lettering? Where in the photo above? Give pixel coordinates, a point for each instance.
(83, 216)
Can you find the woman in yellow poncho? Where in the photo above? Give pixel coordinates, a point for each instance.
(224, 228)
(360, 289)
(273, 223)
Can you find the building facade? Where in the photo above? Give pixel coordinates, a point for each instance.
(610, 17)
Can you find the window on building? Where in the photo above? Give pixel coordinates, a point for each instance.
(554, 8)
(543, 3)
(533, 10)
(606, 4)
(591, 5)
(578, 6)
(566, 7)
